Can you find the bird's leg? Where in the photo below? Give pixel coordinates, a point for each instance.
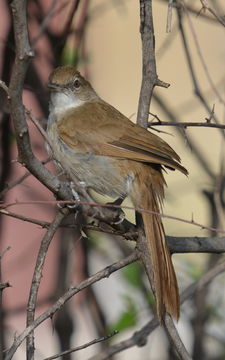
(76, 197)
(120, 215)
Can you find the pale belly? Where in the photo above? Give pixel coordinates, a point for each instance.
(100, 173)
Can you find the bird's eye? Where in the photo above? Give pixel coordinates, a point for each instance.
(76, 83)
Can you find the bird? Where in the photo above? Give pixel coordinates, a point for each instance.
(110, 154)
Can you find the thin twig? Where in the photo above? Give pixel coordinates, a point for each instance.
(177, 244)
(32, 302)
(201, 283)
(43, 224)
(201, 57)
(18, 181)
(44, 23)
(84, 346)
(195, 11)
(73, 290)
(14, 183)
(104, 217)
(187, 52)
(203, 161)
(140, 336)
(169, 16)
(218, 18)
(186, 124)
(37, 124)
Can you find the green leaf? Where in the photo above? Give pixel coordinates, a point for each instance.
(133, 274)
(126, 319)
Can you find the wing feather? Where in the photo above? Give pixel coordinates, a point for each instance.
(99, 128)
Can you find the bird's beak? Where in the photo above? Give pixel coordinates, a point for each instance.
(53, 87)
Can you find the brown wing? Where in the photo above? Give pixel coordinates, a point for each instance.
(99, 128)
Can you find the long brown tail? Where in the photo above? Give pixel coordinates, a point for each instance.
(164, 278)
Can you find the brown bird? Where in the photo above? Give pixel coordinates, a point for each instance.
(115, 157)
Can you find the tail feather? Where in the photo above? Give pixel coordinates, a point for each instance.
(164, 278)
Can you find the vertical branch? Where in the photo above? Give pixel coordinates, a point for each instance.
(149, 74)
(23, 55)
(177, 342)
(32, 302)
(22, 59)
(149, 81)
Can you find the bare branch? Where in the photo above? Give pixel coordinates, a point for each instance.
(23, 55)
(184, 125)
(149, 74)
(192, 71)
(139, 338)
(81, 347)
(109, 215)
(18, 181)
(73, 290)
(45, 22)
(217, 17)
(169, 16)
(201, 57)
(32, 302)
(203, 161)
(177, 244)
(196, 12)
(175, 338)
(196, 244)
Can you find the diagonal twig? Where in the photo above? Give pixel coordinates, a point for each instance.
(37, 275)
(73, 290)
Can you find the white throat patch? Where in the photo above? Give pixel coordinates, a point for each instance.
(61, 102)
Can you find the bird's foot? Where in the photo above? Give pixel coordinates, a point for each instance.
(119, 213)
(74, 205)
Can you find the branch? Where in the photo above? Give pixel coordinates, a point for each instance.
(192, 71)
(73, 290)
(217, 17)
(175, 339)
(113, 215)
(32, 302)
(203, 161)
(139, 338)
(184, 125)
(196, 244)
(18, 181)
(84, 346)
(149, 74)
(22, 59)
(201, 57)
(176, 244)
